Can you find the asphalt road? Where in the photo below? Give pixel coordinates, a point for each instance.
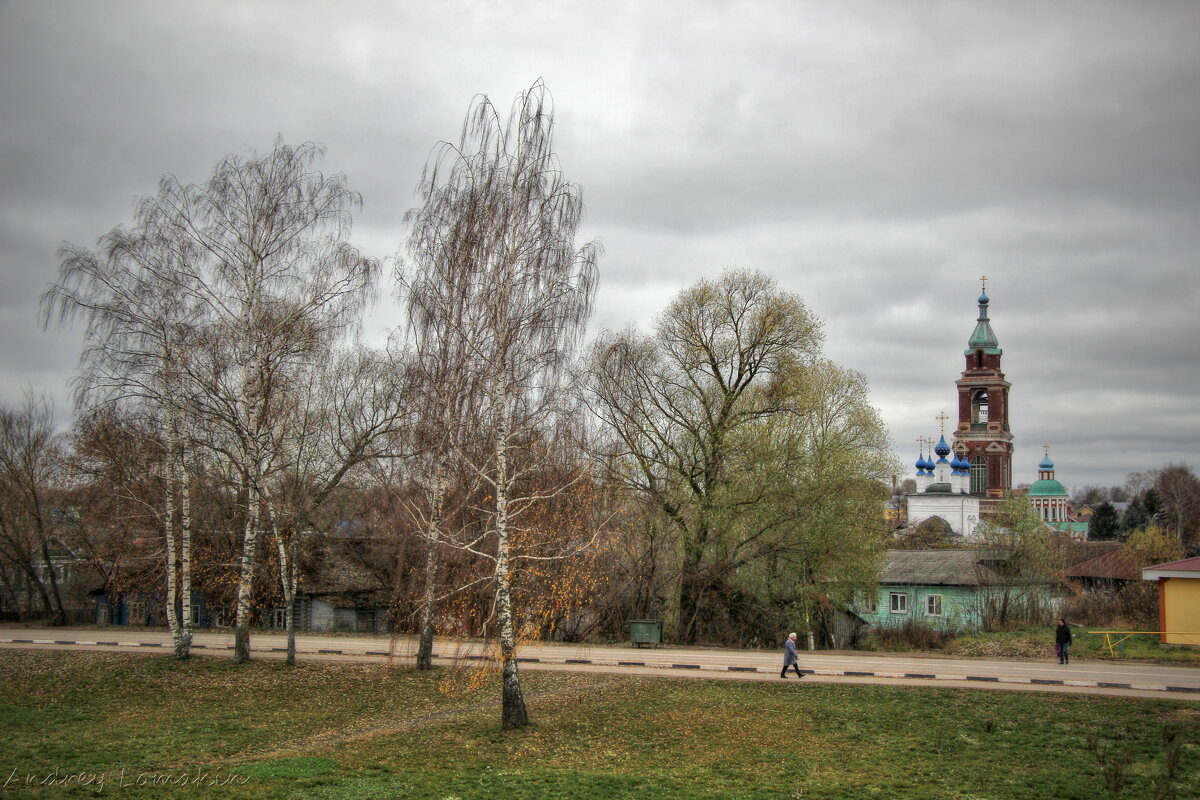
(1090, 677)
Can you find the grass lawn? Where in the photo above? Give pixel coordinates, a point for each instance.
(323, 731)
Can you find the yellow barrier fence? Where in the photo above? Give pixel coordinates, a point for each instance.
(1110, 642)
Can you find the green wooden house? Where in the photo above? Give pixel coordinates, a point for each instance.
(953, 589)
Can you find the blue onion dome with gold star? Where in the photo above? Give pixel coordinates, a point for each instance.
(942, 449)
(983, 337)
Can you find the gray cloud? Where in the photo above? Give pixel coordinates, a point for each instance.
(874, 157)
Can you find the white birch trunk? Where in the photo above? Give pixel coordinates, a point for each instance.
(241, 634)
(290, 612)
(248, 412)
(169, 474)
(432, 537)
(513, 711)
(183, 649)
(288, 576)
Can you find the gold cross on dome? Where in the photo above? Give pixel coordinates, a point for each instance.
(983, 280)
(1046, 450)
(941, 418)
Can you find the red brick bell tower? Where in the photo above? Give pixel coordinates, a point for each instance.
(983, 412)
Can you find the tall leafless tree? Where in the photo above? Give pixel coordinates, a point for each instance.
(1179, 489)
(280, 284)
(341, 414)
(502, 296)
(210, 305)
(30, 461)
(136, 295)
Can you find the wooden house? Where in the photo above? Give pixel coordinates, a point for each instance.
(951, 589)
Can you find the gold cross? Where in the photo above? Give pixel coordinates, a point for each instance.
(1046, 450)
(941, 418)
(983, 280)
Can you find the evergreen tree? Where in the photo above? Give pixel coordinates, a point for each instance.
(1104, 524)
(1152, 505)
(1135, 518)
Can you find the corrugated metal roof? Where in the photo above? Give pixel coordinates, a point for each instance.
(1078, 552)
(1186, 565)
(937, 568)
(1114, 565)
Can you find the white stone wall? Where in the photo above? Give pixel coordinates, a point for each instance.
(961, 511)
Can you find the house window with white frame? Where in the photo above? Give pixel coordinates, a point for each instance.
(898, 602)
(933, 605)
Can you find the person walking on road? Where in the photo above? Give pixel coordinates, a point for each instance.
(790, 658)
(1062, 641)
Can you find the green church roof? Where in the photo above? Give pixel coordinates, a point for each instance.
(983, 337)
(1047, 488)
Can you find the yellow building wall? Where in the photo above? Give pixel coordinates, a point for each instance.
(1181, 610)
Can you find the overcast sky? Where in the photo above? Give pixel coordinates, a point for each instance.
(875, 158)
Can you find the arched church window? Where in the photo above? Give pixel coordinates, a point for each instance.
(979, 480)
(979, 406)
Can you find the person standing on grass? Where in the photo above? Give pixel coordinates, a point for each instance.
(1062, 641)
(790, 659)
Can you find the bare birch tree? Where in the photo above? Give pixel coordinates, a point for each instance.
(136, 295)
(502, 282)
(227, 288)
(445, 396)
(281, 284)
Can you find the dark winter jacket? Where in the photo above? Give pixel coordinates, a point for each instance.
(1062, 634)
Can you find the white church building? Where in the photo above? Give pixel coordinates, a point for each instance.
(944, 490)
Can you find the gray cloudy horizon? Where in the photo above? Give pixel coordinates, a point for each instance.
(875, 158)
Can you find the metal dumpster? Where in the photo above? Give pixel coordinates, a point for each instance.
(645, 632)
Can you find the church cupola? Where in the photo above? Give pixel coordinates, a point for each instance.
(1046, 468)
(983, 338)
(924, 465)
(1049, 496)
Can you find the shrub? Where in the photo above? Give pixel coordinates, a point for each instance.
(912, 635)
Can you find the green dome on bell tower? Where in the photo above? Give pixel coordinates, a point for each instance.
(983, 337)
